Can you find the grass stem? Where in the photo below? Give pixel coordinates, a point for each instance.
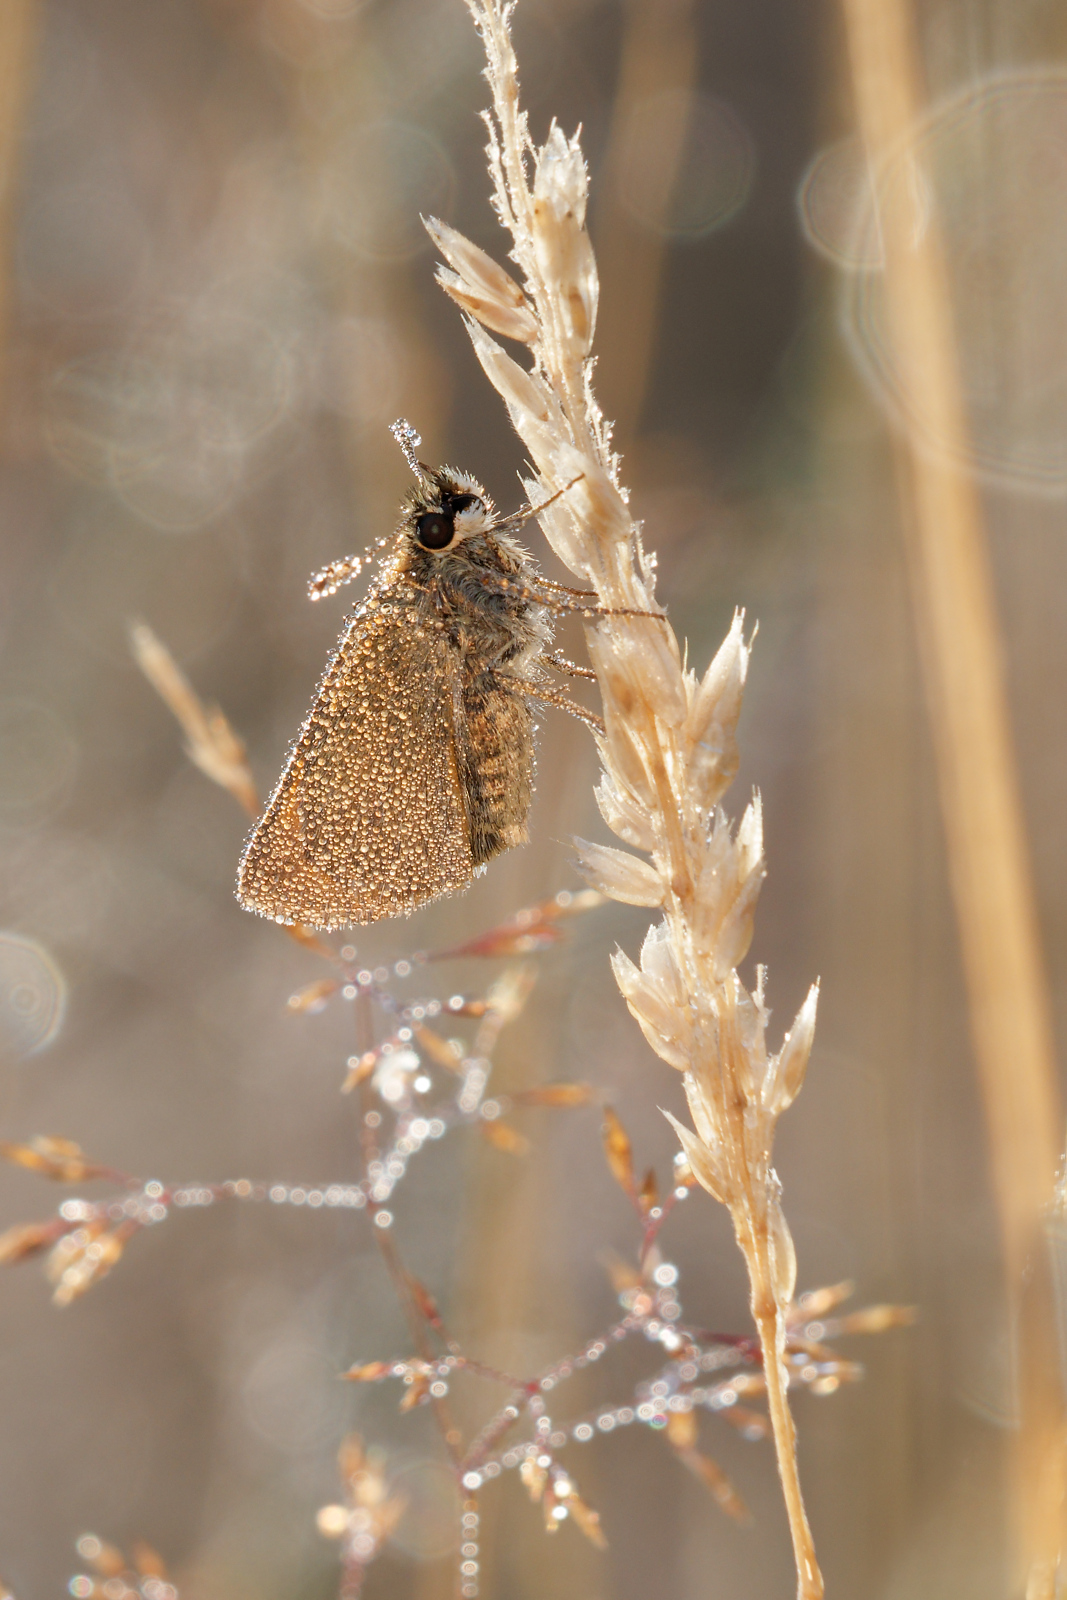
(989, 870)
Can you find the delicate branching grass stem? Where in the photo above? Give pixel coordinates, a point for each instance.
(989, 870)
(669, 748)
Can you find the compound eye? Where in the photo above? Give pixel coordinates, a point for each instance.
(435, 530)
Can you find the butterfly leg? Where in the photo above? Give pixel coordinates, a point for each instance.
(560, 600)
(558, 660)
(547, 696)
(564, 588)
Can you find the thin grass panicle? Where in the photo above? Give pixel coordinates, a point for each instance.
(695, 1371)
(669, 748)
(210, 742)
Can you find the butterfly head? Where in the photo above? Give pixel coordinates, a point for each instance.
(444, 510)
(447, 518)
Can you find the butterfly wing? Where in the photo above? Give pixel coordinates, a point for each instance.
(368, 820)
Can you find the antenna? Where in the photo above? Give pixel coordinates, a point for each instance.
(409, 439)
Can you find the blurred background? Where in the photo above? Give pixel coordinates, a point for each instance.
(215, 295)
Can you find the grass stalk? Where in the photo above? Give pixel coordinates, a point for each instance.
(659, 54)
(669, 750)
(771, 1326)
(18, 34)
(989, 869)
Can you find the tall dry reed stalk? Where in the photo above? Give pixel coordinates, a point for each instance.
(658, 55)
(669, 751)
(19, 21)
(989, 869)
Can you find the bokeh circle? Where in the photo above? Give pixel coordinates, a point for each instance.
(32, 997)
(991, 165)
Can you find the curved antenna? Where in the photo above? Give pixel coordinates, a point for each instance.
(331, 578)
(515, 521)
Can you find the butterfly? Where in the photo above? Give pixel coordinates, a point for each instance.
(415, 765)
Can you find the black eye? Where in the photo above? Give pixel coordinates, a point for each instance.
(434, 530)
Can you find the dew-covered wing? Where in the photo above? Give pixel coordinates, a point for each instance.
(368, 820)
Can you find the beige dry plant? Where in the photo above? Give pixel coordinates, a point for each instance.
(963, 658)
(115, 1576)
(669, 751)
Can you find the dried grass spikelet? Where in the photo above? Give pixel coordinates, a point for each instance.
(114, 1576)
(211, 743)
(369, 1515)
(84, 1256)
(669, 748)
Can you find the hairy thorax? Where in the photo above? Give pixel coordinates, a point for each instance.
(482, 600)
